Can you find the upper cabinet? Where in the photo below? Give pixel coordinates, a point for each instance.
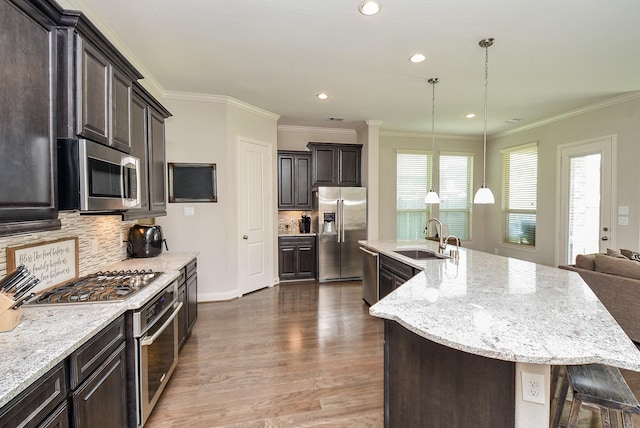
(27, 109)
(294, 180)
(335, 164)
(95, 86)
(148, 145)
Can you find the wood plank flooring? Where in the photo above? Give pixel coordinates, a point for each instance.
(295, 355)
(298, 354)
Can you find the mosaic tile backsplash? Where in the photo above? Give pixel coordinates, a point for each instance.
(99, 240)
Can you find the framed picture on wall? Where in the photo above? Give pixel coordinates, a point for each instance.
(192, 182)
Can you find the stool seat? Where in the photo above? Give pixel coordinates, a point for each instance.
(602, 387)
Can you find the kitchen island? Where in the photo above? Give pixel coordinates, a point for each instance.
(459, 335)
(47, 335)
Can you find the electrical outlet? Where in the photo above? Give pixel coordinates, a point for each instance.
(533, 388)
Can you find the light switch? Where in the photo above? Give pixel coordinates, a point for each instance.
(623, 220)
(189, 211)
(623, 210)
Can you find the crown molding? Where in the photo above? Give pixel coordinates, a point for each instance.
(428, 135)
(629, 96)
(220, 99)
(307, 129)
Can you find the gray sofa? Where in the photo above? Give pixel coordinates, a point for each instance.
(615, 280)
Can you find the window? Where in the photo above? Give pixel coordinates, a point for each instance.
(413, 180)
(520, 194)
(456, 193)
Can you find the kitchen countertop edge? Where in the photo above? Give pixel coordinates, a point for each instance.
(43, 338)
(470, 311)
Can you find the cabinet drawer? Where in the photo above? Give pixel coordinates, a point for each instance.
(191, 268)
(398, 268)
(89, 356)
(287, 241)
(34, 405)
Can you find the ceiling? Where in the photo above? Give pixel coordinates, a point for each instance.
(549, 56)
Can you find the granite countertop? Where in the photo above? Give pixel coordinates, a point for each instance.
(504, 308)
(47, 335)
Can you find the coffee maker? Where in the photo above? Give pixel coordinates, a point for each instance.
(305, 224)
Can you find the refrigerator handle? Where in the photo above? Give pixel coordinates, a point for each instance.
(338, 220)
(342, 219)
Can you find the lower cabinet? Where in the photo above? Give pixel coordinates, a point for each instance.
(188, 295)
(297, 257)
(89, 389)
(392, 274)
(41, 402)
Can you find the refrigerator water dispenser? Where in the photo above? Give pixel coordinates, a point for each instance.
(329, 222)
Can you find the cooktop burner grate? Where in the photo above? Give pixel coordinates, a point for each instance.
(111, 286)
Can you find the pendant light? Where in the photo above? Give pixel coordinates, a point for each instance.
(432, 197)
(484, 194)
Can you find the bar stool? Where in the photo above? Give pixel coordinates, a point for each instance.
(598, 387)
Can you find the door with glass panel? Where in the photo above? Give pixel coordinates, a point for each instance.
(586, 198)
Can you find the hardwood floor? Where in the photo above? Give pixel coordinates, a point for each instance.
(298, 354)
(295, 355)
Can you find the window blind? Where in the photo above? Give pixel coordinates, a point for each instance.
(520, 194)
(456, 184)
(413, 180)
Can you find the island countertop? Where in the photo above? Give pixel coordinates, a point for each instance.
(504, 308)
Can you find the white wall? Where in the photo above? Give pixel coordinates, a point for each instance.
(390, 143)
(619, 117)
(297, 137)
(204, 130)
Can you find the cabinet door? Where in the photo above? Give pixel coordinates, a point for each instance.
(120, 112)
(58, 419)
(302, 181)
(192, 300)
(27, 144)
(157, 168)
(287, 262)
(286, 199)
(307, 260)
(93, 93)
(325, 169)
(349, 166)
(102, 399)
(182, 315)
(139, 147)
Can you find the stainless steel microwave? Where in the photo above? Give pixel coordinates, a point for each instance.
(96, 178)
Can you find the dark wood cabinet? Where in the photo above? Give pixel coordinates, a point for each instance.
(392, 274)
(148, 145)
(294, 180)
(39, 403)
(335, 164)
(95, 85)
(28, 111)
(297, 257)
(102, 399)
(188, 295)
(98, 379)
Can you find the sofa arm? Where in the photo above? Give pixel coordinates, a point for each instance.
(620, 295)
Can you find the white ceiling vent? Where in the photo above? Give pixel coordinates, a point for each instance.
(335, 119)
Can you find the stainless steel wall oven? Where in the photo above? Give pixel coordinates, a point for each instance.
(153, 350)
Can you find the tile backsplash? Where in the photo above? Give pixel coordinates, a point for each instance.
(99, 240)
(289, 222)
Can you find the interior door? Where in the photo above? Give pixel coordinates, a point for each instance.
(255, 208)
(586, 199)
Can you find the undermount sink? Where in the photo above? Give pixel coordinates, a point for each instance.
(420, 254)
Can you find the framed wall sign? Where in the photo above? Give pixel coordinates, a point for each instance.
(192, 182)
(52, 262)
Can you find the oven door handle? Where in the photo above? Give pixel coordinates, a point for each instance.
(147, 341)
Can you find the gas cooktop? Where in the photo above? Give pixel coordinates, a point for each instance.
(112, 286)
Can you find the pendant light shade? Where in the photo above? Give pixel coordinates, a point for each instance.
(432, 197)
(484, 194)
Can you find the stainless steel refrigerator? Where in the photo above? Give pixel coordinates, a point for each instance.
(342, 222)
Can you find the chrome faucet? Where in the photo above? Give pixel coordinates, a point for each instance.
(453, 254)
(441, 245)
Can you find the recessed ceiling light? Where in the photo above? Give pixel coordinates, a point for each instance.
(416, 58)
(470, 115)
(322, 96)
(369, 7)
